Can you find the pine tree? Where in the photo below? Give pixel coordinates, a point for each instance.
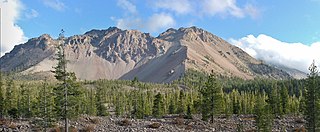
(263, 115)
(312, 111)
(25, 103)
(68, 92)
(172, 107)
(212, 98)
(2, 101)
(284, 100)
(138, 107)
(181, 104)
(46, 104)
(189, 113)
(274, 99)
(91, 110)
(101, 101)
(11, 100)
(157, 110)
(119, 105)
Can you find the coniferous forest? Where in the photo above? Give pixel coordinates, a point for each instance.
(196, 94)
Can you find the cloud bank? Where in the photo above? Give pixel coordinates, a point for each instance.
(177, 6)
(165, 11)
(293, 55)
(11, 33)
(132, 20)
(207, 8)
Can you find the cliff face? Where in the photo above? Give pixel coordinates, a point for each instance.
(125, 54)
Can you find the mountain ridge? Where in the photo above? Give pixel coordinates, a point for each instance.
(114, 53)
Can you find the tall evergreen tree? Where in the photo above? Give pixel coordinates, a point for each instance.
(91, 109)
(101, 101)
(284, 100)
(181, 104)
(25, 101)
(157, 110)
(2, 101)
(312, 111)
(11, 100)
(68, 92)
(172, 107)
(46, 104)
(263, 115)
(212, 98)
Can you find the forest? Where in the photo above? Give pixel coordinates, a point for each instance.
(195, 93)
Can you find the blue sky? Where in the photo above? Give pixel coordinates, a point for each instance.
(241, 22)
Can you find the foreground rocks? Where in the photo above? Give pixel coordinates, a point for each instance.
(172, 123)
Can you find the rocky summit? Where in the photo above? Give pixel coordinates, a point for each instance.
(124, 54)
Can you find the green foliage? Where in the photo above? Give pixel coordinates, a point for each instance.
(181, 103)
(189, 113)
(286, 102)
(263, 115)
(101, 101)
(312, 99)
(172, 107)
(46, 104)
(2, 101)
(157, 110)
(11, 100)
(68, 93)
(24, 103)
(212, 98)
(195, 93)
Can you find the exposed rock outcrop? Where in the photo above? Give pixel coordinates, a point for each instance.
(124, 54)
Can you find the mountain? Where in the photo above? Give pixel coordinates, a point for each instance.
(124, 54)
(292, 72)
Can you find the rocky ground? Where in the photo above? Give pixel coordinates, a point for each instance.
(172, 123)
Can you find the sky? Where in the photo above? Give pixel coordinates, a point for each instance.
(285, 32)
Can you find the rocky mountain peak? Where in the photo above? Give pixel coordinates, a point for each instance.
(197, 34)
(189, 34)
(43, 42)
(99, 33)
(123, 54)
(126, 45)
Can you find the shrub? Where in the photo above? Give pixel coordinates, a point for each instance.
(13, 126)
(56, 129)
(155, 125)
(189, 127)
(125, 122)
(73, 129)
(301, 129)
(95, 120)
(179, 121)
(89, 128)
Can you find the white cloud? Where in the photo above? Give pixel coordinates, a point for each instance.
(159, 21)
(292, 55)
(54, 4)
(153, 24)
(31, 14)
(252, 11)
(11, 33)
(178, 6)
(128, 23)
(208, 8)
(127, 5)
(224, 7)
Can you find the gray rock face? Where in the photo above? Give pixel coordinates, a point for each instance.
(124, 54)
